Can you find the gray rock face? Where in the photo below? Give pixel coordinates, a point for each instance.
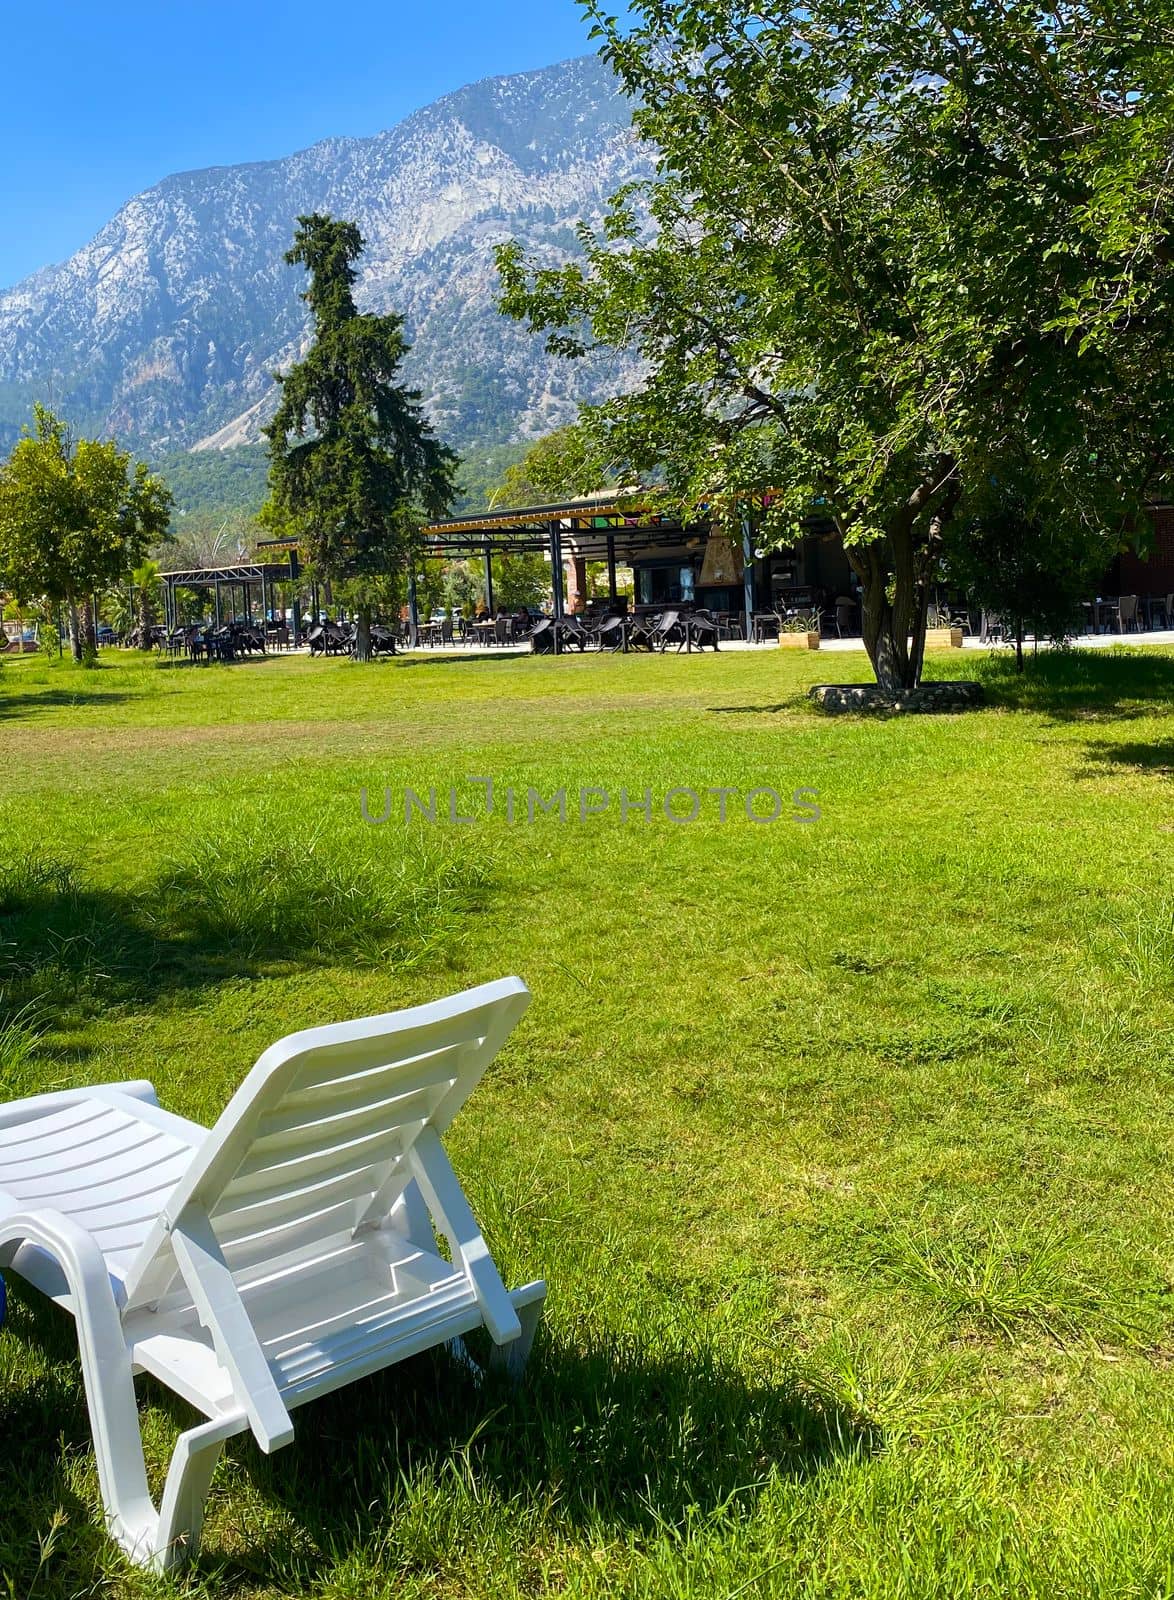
(165, 329)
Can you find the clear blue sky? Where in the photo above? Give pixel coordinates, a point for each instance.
(100, 102)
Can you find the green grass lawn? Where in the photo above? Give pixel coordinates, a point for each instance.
(845, 1148)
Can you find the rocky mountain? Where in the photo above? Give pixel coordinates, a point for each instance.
(165, 329)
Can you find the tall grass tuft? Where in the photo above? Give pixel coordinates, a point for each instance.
(18, 1042)
(1005, 1282)
(30, 878)
(315, 896)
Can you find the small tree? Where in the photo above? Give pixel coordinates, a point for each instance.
(1030, 571)
(353, 463)
(74, 519)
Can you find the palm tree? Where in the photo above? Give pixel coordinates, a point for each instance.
(149, 585)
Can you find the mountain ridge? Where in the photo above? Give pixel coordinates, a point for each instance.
(165, 328)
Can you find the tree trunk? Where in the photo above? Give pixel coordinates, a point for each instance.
(146, 616)
(893, 609)
(896, 575)
(75, 632)
(89, 634)
(362, 650)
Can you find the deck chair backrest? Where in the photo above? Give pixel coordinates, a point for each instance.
(318, 1134)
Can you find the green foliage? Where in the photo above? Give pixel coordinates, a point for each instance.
(218, 497)
(563, 465)
(1033, 572)
(74, 517)
(521, 580)
(897, 254)
(353, 462)
(209, 485)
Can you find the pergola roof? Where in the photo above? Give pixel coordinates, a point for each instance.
(589, 526)
(239, 572)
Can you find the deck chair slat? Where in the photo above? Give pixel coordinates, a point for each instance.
(370, 1304)
(382, 1119)
(423, 1066)
(354, 1057)
(267, 1169)
(383, 1086)
(69, 1116)
(97, 1140)
(151, 1175)
(300, 1365)
(276, 1206)
(244, 1248)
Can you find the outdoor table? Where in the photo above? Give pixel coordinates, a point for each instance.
(483, 632)
(764, 626)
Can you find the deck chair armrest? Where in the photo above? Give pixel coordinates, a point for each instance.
(213, 1289)
(446, 1201)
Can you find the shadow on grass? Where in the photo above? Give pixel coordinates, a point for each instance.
(35, 701)
(242, 906)
(476, 657)
(1065, 685)
(1157, 757)
(1079, 685)
(622, 1436)
(800, 702)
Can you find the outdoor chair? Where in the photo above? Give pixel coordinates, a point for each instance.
(843, 617)
(1126, 617)
(699, 629)
(255, 1266)
(666, 630)
(610, 633)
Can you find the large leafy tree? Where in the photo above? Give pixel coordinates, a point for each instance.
(559, 466)
(898, 260)
(353, 463)
(75, 517)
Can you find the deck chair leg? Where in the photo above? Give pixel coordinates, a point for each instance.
(106, 1373)
(512, 1358)
(181, 1518)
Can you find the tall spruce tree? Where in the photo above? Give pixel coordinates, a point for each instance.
(353, 463)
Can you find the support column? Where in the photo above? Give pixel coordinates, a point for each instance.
(576, 583)
(488, 560)
(413, 610)
(748, 578)
(556, 571)
(216, 587)
(612, 591)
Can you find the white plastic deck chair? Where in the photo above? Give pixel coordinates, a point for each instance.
(255, 1266)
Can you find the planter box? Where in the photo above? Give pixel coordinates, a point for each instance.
(943, 638)
(799, 641)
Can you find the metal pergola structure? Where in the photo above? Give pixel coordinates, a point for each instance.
(601, 528)
(232, 579)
